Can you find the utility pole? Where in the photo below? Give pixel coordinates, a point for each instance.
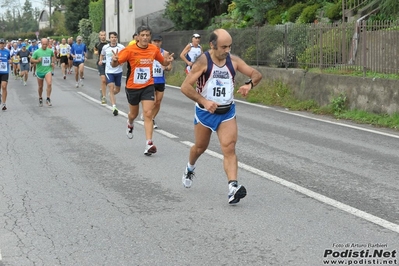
(49, 14)
(343, 11)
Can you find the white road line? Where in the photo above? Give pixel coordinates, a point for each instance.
(304, 116)
(312, 118)
(0, 255)
(160, 131)
(341, 206)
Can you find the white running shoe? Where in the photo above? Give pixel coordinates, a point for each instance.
(187, 178)
(236, 192)
(150, 149)
(129, 131)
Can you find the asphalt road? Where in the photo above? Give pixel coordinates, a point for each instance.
(74, 190)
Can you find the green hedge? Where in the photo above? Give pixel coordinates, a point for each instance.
(295, 11)
(309, 14)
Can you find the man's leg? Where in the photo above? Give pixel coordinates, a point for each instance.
(40, 90)
(157, 105)
(148, 106)
(111, 87)
(76, 69)
(133, 112)
(63, 70)
(81, 70)
(103, 85)
(227, 133)
(202, 137)
(49, 80)
(4, 91)
(25, 76)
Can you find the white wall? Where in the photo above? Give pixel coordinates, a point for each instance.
(143, 7)
(128, 17)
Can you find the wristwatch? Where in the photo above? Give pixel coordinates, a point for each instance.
(249, 82)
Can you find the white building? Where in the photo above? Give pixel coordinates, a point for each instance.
(124, 16)
(44, 19)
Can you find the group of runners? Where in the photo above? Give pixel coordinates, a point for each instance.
(40, 57)
(213, 72)
(209, 83)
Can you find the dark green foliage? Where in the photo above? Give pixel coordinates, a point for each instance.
(256, 9)
(333, 39)
(274, 17)
(76, 10)
(295, 11)
(189, 15)
(390, 8)
(333, 11)
(339, 104)
(85, 30)
(96, 13)
(44, 33)
(309, 14)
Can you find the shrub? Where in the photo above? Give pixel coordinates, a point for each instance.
(339, 104)
(46, 32)
(85, 30)
(96, 13)
(93, 40)
(295, 11)
(273, 16)
(333, 11)
(331, 48)
(308, 14)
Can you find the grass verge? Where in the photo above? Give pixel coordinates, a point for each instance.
(276, 93)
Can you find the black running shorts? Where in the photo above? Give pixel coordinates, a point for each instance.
(135, 96)
(159, 87)
(101, 69)
(64, 59)
(4, 77)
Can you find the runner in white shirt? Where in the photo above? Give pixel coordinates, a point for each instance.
(112, 74)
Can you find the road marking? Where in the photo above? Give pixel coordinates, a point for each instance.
(312, 118)
(334, 203)
(341, 206)
(121, 113)
(301, 115)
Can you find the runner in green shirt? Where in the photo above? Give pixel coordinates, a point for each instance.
(44, 59)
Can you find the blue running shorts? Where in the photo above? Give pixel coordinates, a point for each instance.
(212, 121)
(115, 78)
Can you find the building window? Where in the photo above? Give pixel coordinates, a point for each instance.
(130, 4)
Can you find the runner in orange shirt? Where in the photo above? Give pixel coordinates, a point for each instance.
(139, 82)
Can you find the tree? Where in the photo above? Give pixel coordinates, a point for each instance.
(390, 8)
(54, 3)
(255, 10)
(29, 23)
(13, 14)
(96, 14)
(75, 11)
(193, 14)
(58, 22)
